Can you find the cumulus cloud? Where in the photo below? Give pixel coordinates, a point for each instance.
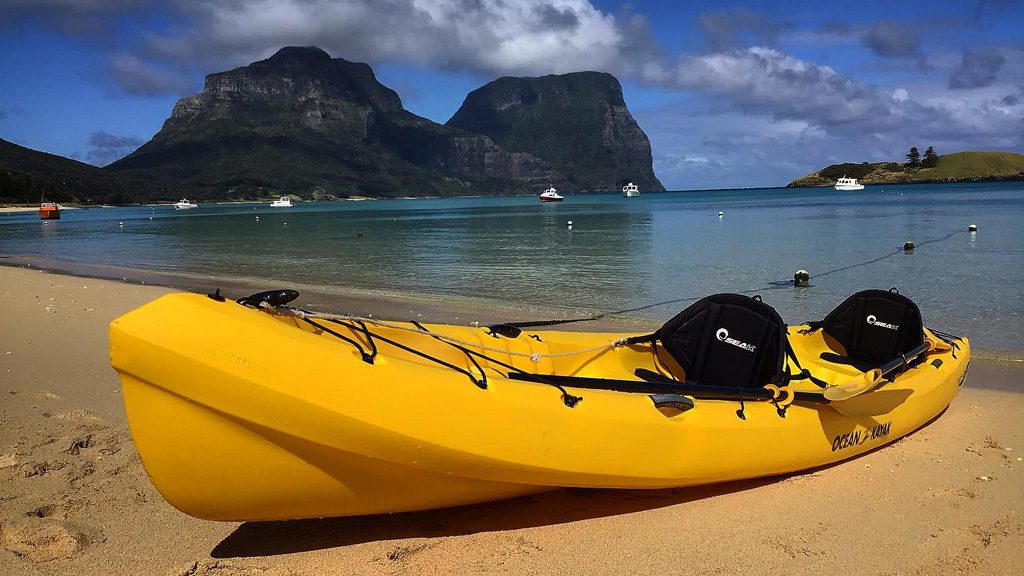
(977, 69)
(891, 39)
(486, 37)
(104, 147)
(765, 80)
(135, 76)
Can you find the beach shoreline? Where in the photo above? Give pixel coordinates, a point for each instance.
(433, 308)
(76, 499)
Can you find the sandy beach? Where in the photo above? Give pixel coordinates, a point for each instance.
(74, 498)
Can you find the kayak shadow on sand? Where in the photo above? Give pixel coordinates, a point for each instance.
(254, 539)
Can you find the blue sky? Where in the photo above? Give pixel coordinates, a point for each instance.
(731, 94)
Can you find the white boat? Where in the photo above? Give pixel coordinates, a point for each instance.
(282, 202)
(551, 195)
(630, 191)
(184, 204)
(845, 183)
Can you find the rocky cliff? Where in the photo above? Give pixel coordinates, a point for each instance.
(313, 125)
(577, 122)
(305, 123)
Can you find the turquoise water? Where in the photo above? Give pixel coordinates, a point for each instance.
(619, 254)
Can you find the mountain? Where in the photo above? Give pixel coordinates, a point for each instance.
(303, 122)
(577, 122)
(957, 167)
(28, 175)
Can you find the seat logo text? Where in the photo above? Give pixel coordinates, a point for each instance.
(723, 335)
(874, 322)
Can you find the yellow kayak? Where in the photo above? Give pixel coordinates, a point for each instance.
(261, 413)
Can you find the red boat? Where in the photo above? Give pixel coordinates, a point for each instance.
(551, 195)
(49, 211)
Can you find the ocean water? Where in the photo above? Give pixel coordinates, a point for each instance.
(646, 257)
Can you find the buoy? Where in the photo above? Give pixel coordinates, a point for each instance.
(150, 217)
(568, 224)
(120, 224)
(801, 278)
(908, 246)
(257, 218)
(720, 213)
(972, 228)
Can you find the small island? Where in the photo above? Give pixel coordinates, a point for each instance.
(956, 167)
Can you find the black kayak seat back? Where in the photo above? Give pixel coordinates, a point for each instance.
(727, 340)
(875, 326)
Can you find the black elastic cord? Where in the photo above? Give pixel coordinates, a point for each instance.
(365, 330)
(742, 411)
(366, 357)
(805, 374)
(481, 383)
(567, 398)
(369, 341)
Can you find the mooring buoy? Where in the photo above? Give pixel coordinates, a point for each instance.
(908, 246)
(972, 228)
(801, 278)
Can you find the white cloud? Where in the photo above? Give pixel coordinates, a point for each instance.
(488, 37)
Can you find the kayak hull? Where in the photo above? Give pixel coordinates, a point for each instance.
(241, 415)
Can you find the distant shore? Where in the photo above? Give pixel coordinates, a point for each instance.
(16, 208)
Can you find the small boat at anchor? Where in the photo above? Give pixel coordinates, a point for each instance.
(184, 204)
(630, 191)
(49, 211)
(848, 184)
(282, 202)
(551, 195)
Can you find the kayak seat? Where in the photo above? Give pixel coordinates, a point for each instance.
(726, 340)
(872, 327)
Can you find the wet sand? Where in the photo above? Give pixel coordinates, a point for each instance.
(74, 498)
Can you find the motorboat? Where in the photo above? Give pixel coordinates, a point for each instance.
(551, 195)
(630, 191)
(184, 204)
(845, 183)
(282, 202)
(49, 211)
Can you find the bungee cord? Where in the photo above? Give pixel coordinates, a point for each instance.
(533, 356)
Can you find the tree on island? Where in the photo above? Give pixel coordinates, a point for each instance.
(930, 158)
(913, 157)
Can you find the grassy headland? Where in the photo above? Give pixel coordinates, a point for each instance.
(957, 167)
